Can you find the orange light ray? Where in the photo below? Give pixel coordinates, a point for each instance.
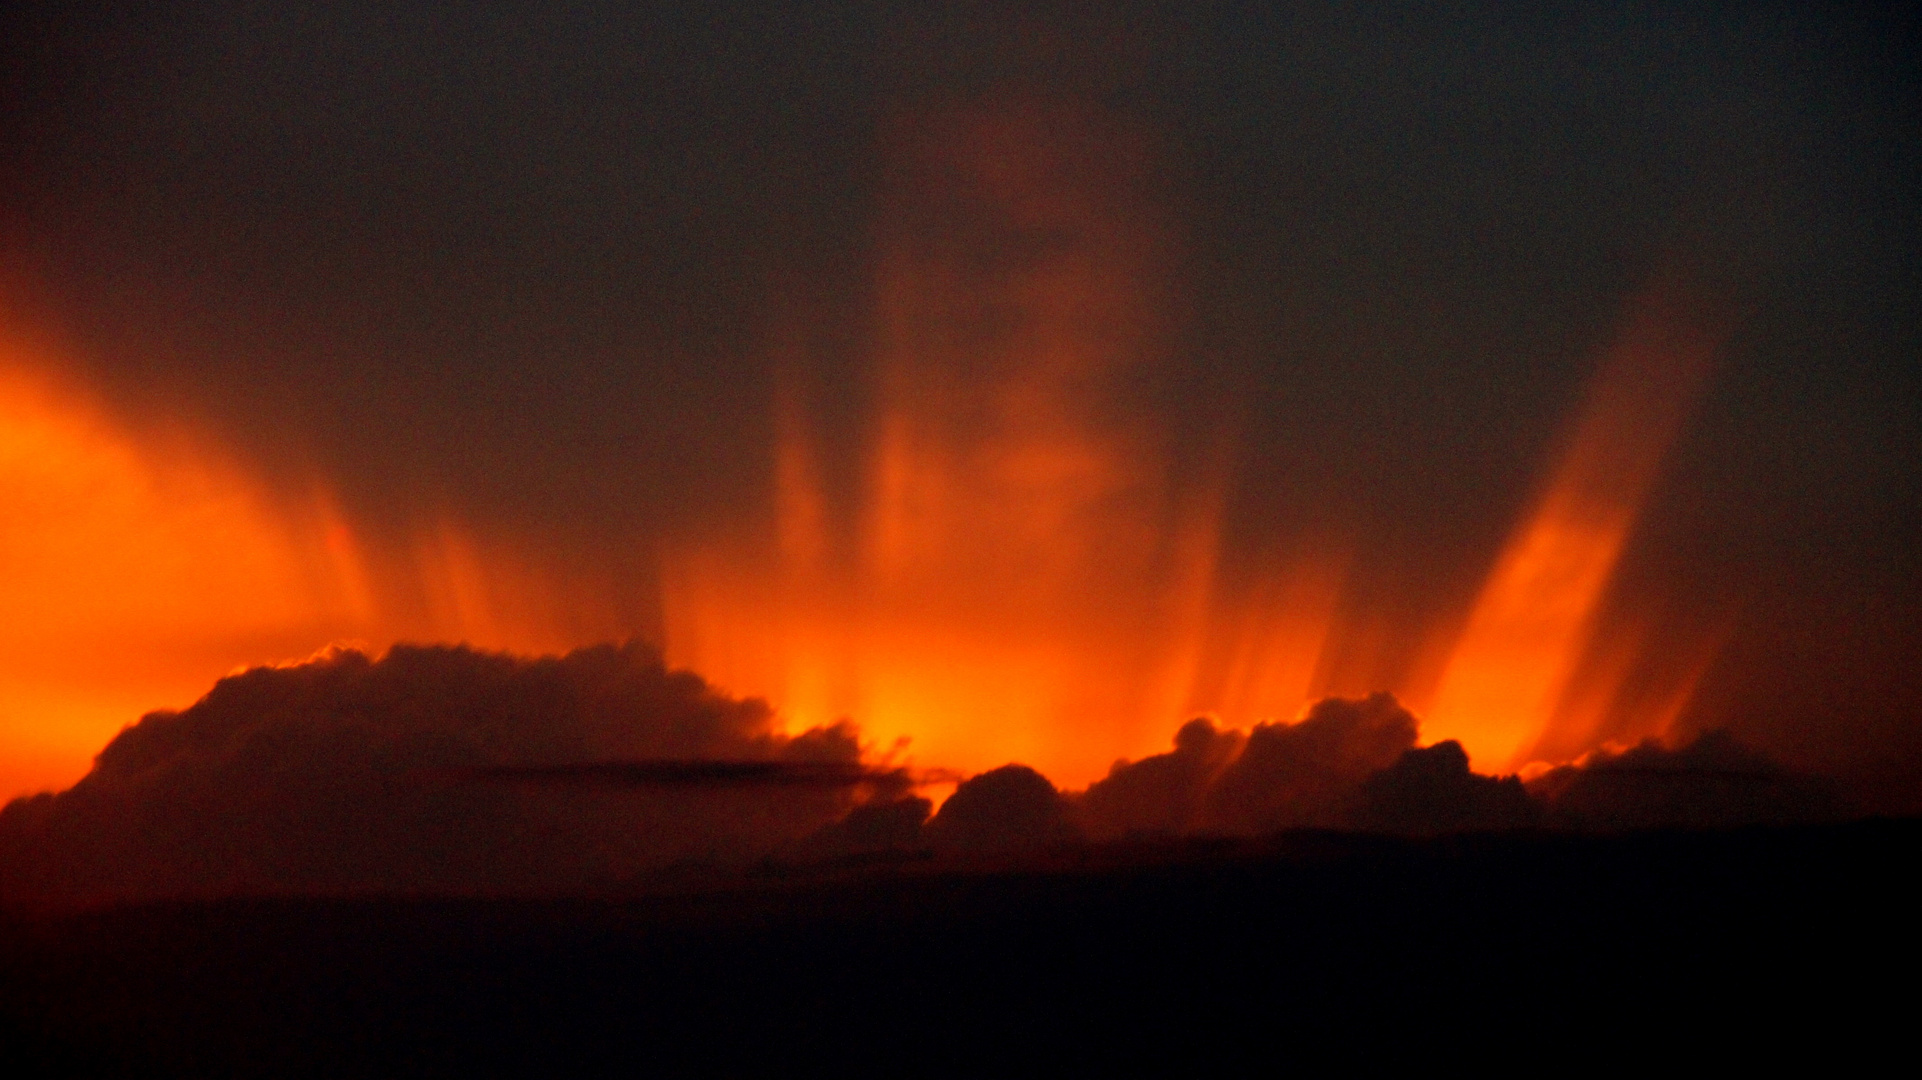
(1269, 645)
(1531, 626)
(139, 569)
(135, 575)
(1011, 586)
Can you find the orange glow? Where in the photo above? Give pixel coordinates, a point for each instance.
(1017, 576)
(1530, 629)
(1266, 648)
(487, 595)
(1013, 588)
(138, 570)
(135, 578)
(1022, 581)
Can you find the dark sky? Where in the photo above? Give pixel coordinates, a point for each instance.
(526, 261)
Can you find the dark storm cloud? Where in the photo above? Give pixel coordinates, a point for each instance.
(877, 829)
(1160, 795)
(347, 773)
(449, 770)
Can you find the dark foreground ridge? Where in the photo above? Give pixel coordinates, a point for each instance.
(1463, 948)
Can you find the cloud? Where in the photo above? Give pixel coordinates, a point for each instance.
(1160, 795)
(671, 772)
(1713, 782)
(351, 774)
(447, 770)
(1354, 764)
(873, 830)
(1347, 763)
(1309, 773)
(1431, 790)
(1011, 808)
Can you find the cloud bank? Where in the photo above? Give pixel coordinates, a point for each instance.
(433, 769)
(1713, 782)
(1346, 764)
(448, 770)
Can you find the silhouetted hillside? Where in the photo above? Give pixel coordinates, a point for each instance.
(1173, 957)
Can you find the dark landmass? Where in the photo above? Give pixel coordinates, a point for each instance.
(1477, 949)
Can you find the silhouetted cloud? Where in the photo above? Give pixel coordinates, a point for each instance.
(347, 773)
(1309, 773)
(1709, 783)
(1160, 795)
(1347, 763)
(1006, 809)
(876, 828)
(696, 773)
(449, 770)
(1431, 790)
(1353, 764)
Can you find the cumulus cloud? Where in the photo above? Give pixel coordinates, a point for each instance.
(1354, 764)
(1160, 795)
(1431, 790)
(1309, 773)
(1346, 764)
(698, 773)
(434, 769)
(448, 770)
(1012, 808)
(1713, 782)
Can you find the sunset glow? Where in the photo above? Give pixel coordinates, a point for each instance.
(1531, 626)
(136, 575)
(1011, 585)
(563, 539)
(140, 569)
(1022, 582)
